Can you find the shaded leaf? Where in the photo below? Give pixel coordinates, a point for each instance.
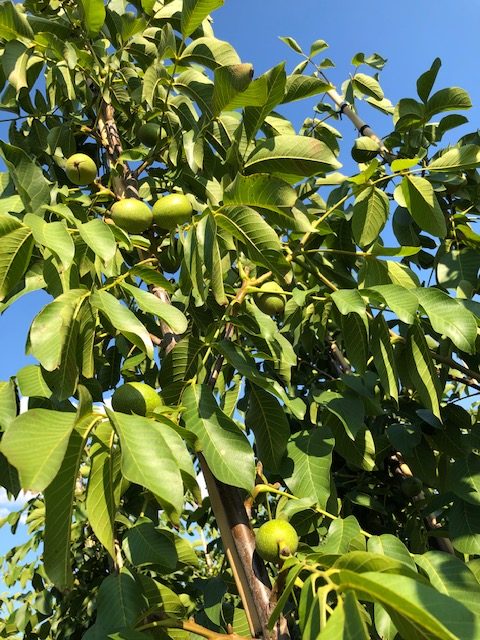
(267, 419)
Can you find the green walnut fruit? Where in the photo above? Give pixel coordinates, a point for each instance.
(132, 215)
(172, 210)
(149, 134)
(411, 486)
(276, 538)
(270, 302)
(364, 149)
(136, 397)
(80, 169)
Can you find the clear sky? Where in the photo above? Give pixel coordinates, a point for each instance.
(410, 34)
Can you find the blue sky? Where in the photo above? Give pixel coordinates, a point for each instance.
(410, 34)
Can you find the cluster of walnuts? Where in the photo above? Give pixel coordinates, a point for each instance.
(131, 214)
(135, 216)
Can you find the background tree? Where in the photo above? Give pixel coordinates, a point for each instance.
(313, 374)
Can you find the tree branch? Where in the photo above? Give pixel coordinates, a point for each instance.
(249, 571)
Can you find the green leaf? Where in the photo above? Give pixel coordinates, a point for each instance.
(103, 489)
(422, 204)
(422, 371)
(449, 317)
(15, 59)
(355, 340)
(254, 117)
(31, 382)
(93, 15)
(147, 6)
(14, 24)
(287, 590)
(245, 364)
(54, 236)
(182, 362)
(370, 213)
(123, 319)
(261, 243)
(426, 81)
(153, 77)
(59, 501)
(463, 478)
(149, 303)
(383, 357)
(53, 339)
(298, 87)
(368, 85)
(450, 575)
(359, 452)
(266, 418)
(457, 159)
(366, 561)
(207, 235)
(147, 546)
(456, 266)
(347, 622)
(226, 450)
(464, 527)
(306, 468)
(194, 13)
(389, 545)
(120, 603)
(343, 535)
(349, 301)
(9, 477)
(414, 607)
(451, 99)
(347, 408)
(35, 443)
(16, 248)
(210, 52)
(99, 237)
(317, 46)
(403, 302)
(261, 190)
(174, 437)
(30, 183)
(8, 404)
(152, 276)
(198, 87)
(147, 458)
(404, 163)
(160, 597)
(292, 43)
(291, 157)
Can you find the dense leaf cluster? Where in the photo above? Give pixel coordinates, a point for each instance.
(320, 414)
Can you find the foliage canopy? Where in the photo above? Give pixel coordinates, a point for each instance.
(319, 414)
